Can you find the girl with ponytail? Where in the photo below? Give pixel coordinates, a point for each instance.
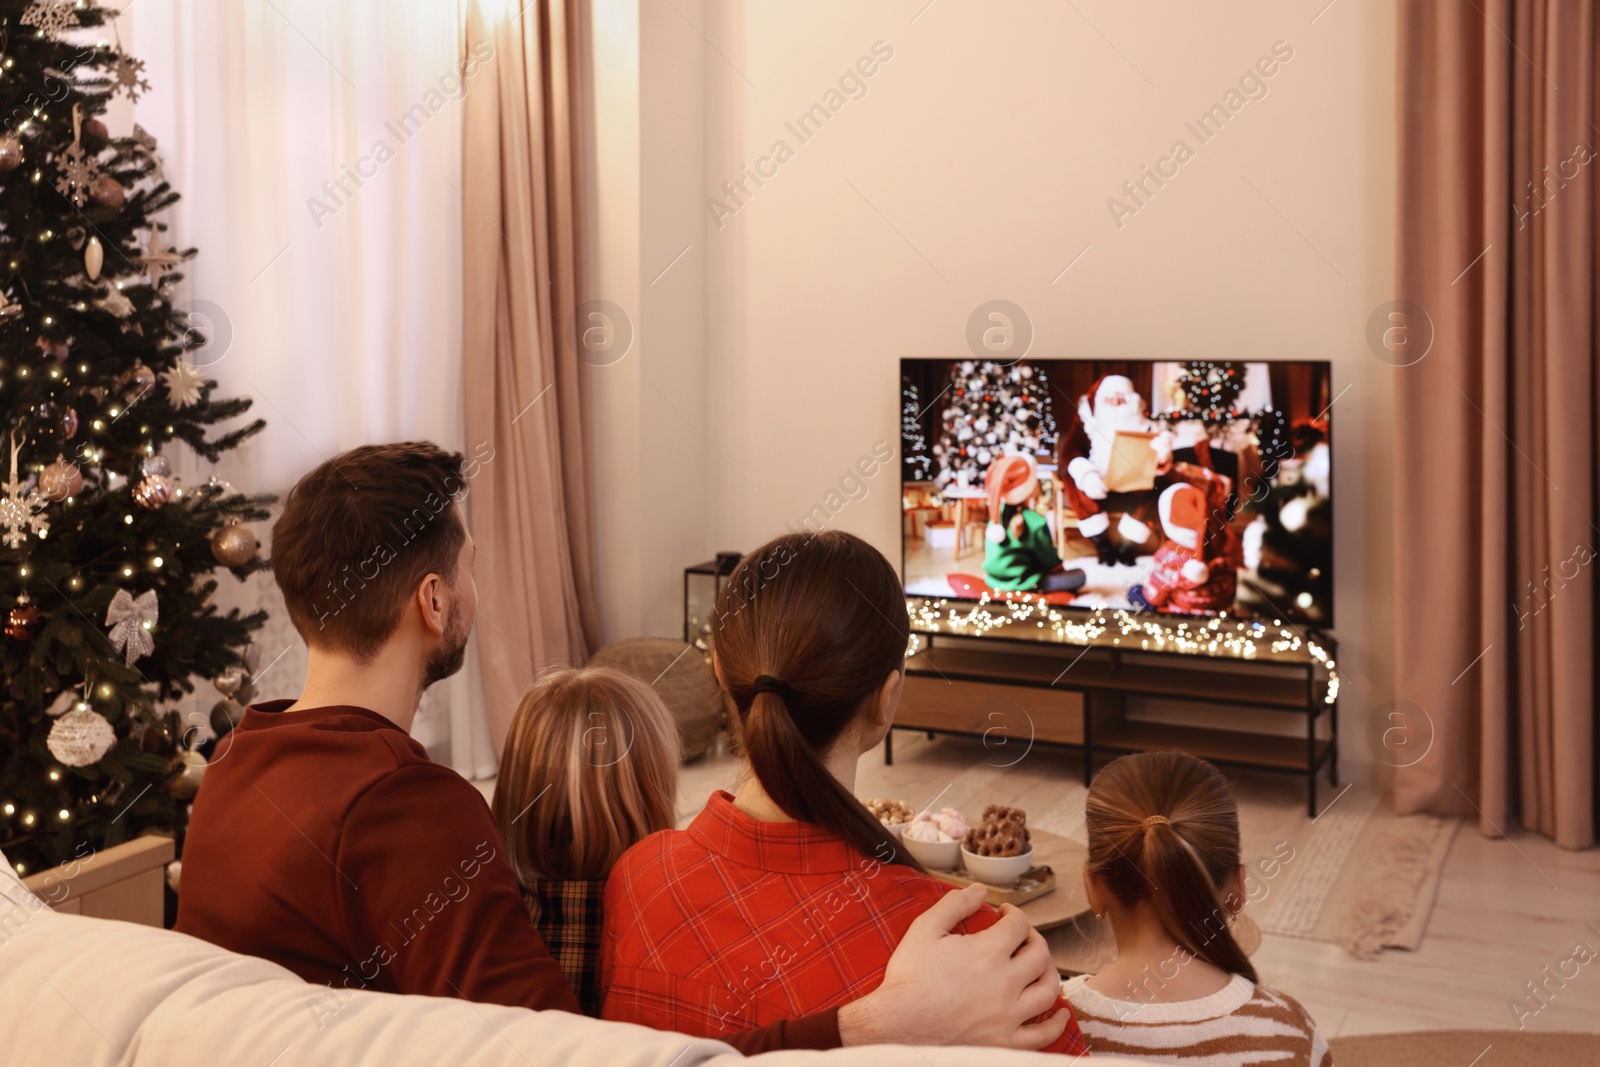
(786, 896)
(1163, 868)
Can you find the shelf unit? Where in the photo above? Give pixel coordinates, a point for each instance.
(1042, 691)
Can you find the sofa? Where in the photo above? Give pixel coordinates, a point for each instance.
(79, 990)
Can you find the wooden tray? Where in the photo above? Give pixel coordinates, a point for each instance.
(1035, 882)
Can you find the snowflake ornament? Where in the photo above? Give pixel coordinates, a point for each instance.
(78, 166)
(20, 513)
(128, 73)
(50, 17)
(183, 382)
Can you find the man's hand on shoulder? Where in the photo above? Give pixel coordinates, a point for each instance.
(1006, 980)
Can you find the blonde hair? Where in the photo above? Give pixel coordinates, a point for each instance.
(590, 768)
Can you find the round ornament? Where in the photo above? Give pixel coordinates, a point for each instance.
(157, 466)
(234, 545)
(24, 620)
(58, 420)
(153, 491)
(61, 480)
(57, 351)
(80, 738)
(225, 715)
(184, 775)
(95, 135)
(11, 154)
(108, 192)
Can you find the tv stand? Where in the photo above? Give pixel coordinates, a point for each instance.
(1026, 680)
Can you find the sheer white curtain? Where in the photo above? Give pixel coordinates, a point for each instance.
(317, 147)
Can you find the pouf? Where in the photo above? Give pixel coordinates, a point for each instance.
(682, 677)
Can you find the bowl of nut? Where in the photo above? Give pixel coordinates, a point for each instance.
(894, 814)
(997, 851)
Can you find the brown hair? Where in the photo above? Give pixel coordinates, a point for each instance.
(819, 620)
(590, 769)
(1164, 828)
(359, 533)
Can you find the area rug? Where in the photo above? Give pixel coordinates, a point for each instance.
(1467, 1048)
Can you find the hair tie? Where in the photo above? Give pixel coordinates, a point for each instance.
(766, 683)
(1153, 819)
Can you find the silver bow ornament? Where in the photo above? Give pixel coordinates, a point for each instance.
(131, 621)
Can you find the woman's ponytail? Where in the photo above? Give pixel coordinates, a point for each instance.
(1163, 827)
(794, 776)
(800, 656)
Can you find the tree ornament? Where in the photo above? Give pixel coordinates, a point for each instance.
(11, 154)
(60, 480)
(95, 134)
(80, 738)
(184, 775)
(20, 508)
(184, 381)
(156, 466)
(23, 621)
(117, 303)
(153, 491)
(108, 192)
(78, 168)
(229, 680)
(131, 621)
(50, 16)
(234, 545)
(128, 73)
(158, 259)
(225, 715)
(136, 381)
(57, 351)
(94, 258)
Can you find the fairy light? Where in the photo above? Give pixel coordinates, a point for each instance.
(1248, 639)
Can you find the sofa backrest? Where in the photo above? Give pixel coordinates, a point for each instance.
(85, 991)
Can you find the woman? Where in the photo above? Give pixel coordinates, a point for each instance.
(1163, 868)
(786, 897)
(590, 768)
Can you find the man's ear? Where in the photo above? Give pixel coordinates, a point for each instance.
(433, 604)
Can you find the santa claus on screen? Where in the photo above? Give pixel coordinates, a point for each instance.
(1110, 405)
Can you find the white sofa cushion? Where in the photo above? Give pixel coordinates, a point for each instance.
(90, 992)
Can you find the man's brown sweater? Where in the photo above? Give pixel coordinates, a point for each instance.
(327, 841)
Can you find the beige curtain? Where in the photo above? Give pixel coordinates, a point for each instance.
(522, 270)
(1497, 456)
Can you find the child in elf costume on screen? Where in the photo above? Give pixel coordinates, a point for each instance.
(1196, 568)
(1020, 552)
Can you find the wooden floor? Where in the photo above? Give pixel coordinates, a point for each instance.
(1506, 910)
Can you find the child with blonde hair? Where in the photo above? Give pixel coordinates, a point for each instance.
(1163, 868)
(590, 768)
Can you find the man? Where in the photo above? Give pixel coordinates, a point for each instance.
(1112, 404)
(325, 840)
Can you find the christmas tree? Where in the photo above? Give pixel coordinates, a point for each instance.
(1210, 393)
(994, 410)
(106, 559)
(914, 458)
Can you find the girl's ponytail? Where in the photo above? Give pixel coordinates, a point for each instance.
(1163, 827)
(799, 655)
(1187, 902)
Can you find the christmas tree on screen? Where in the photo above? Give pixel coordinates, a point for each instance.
(106, 560)
(991, 410)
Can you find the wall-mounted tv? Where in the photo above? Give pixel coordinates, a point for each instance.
(1184, 487)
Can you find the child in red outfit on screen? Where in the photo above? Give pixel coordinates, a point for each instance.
(788, 896)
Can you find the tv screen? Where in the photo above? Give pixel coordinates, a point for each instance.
(1191, 487)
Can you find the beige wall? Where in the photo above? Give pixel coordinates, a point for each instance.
(978, 165)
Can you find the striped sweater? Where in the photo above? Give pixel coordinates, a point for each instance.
(1240, 1025)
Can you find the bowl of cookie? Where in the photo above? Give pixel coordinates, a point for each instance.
(894, 814)
(997, 851)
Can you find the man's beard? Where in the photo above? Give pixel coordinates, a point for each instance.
(452, 651)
